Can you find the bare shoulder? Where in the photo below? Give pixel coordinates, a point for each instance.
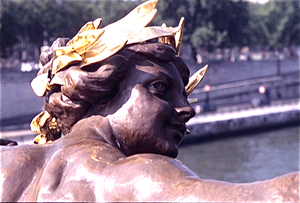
(19, 167)
(152, 177)
(99, 173)
(155, 165)
(16, 157)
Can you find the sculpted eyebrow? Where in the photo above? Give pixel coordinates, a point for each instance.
(168, 78)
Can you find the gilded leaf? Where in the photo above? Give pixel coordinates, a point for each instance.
(56, 80)
(63, 51)
(39, 121)
(83, 41)
(39, 84)
(178, 36)
(195, 80)
(138, 18)
(88, 26)
(148, 33)
(64, 60)
(102, 50)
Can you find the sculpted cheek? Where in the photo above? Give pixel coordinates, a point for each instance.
(147, 102)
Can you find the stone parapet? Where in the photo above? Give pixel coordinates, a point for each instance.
(265, 117)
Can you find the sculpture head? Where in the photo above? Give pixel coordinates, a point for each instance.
(149, 113)
(138, 85)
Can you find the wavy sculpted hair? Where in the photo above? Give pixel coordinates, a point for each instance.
(98, 83)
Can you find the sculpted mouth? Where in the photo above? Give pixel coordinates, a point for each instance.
(180, 128)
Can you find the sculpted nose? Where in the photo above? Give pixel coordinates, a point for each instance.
(185, 112)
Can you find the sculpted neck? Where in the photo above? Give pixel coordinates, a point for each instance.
(94, 128)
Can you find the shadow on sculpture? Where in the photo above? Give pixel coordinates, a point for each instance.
(115, 112)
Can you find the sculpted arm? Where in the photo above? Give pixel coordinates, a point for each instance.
(159, 178)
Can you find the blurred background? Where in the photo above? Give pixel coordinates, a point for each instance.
(247, 107)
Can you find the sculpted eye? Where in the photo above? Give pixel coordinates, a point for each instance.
(159, 86)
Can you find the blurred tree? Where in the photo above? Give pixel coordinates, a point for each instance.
(111, 11)
(8, 27)
(209, 24)
(170, 12)
(207, 37)
(34, 23)
(275, 24)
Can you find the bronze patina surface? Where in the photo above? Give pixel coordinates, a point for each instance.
(122, 115)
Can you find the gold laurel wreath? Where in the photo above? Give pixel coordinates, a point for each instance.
(93, 44)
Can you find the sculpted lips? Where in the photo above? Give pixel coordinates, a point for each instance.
(179, 128)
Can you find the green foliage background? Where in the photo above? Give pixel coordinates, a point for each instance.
(209, 24)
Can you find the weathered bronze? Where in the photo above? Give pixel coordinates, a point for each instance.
(123, 118)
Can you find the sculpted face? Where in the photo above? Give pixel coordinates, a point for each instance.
(150, 112)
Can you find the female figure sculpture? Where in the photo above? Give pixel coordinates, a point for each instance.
(121, 107)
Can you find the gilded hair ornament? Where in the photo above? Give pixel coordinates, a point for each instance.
(93, 44)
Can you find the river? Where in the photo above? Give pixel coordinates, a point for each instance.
(245, 158)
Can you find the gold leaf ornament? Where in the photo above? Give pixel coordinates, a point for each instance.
(56, 80)
(166, 39)
(83, 41)
(91, 25)
(178, 35)
(195, 79)
(46, 127)
(40, 84)
(64, 60)
(175, 39)
(87, 27)
(76, 47)
(64, 56)
(128, 30)
(102, 50)
(36, 126)
(39, 121)
(138, 18)
(92, 44)
(40, 139)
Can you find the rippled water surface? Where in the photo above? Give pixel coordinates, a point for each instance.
(245, 158)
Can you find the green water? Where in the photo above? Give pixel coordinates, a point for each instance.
(244, 158)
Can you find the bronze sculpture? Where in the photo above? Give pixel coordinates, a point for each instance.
(122, 112)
